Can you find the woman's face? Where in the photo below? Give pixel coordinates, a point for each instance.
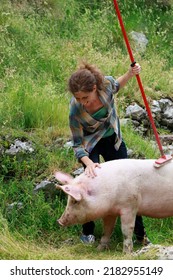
(86, 98)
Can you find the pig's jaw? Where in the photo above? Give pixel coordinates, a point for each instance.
(65, 223)
(60, 223)
(70, 221)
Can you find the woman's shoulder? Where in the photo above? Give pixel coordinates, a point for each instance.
(75, 106)
(111, 83)
(109, 78)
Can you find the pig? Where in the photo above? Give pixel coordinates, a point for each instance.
(122, 188)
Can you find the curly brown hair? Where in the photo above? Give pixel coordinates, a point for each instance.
(85, 78)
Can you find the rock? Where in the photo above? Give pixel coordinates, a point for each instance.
(68, 144)
(164, 103)
(155, 107)
(78, 171)
(162, 112)
(167, 138)
(125, 122)
(18, 205)
(135, 112)
(167, 123)
(156, 110)
(165, 253)
(48, 187)
(140, 39)
(168, 113)
(19, 146)
(157, 251)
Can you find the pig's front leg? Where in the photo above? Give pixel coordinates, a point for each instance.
(108, 223)
(127, 227)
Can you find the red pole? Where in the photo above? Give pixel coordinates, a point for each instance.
(138, 79)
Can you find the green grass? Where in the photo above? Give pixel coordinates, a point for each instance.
(42, 43)
(35, 222)
(69, 247)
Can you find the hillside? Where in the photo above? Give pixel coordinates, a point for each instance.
(41, 44)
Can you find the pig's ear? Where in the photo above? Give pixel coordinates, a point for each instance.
(63, 177)
(73, 191)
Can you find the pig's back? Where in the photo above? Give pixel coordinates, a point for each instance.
(128, 171)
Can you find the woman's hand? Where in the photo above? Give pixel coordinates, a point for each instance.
(135, 70)
(90, 166)
(90, 169)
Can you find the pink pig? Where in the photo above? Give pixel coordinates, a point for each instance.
(124, 188)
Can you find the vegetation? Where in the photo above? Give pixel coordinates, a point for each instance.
(42, 43)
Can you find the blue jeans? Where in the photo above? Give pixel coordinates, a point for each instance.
(105, 148)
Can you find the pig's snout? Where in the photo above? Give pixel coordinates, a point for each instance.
(60, 222)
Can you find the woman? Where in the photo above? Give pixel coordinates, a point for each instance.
(95, 126)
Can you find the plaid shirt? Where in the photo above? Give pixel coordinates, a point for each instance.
(87, 131)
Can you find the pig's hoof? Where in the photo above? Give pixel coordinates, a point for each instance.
(128, 250)
(103, 246)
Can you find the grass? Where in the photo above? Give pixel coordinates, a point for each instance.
(42, 46)
(14, 249)
(42, 43)
(15, 246)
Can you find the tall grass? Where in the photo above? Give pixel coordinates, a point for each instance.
(42, 43)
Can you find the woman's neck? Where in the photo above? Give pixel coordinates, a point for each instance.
(94, 106)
